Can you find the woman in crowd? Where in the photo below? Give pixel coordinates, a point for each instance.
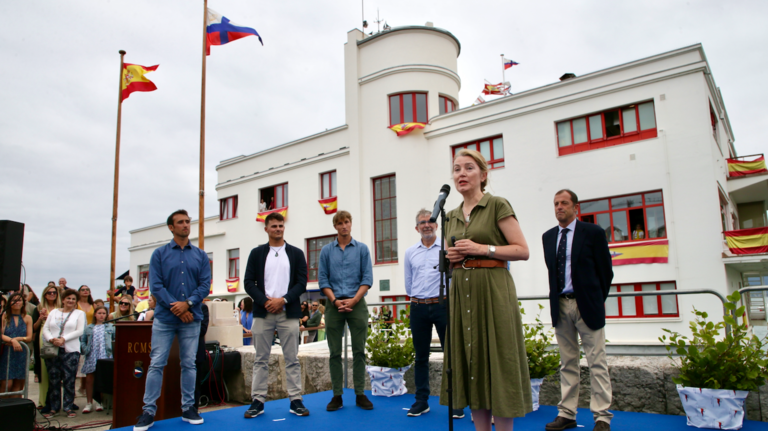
(304, 313)
(262, 206)
(149, 313)
(95, 343)
(50, 302)
(63, 329)
(124, 308)
(246, 319)
(16, 329)
(98, 303)
(487, 235)
(84, 304)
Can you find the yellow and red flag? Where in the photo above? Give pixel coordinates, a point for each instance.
(740, 168)
(262, 216)
(142, 293)
(134, 79)
(329, 205)
(630, 253)
(406, 128)
(747, 241)
(233, 284)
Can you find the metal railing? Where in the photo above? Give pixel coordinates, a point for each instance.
(7, 350)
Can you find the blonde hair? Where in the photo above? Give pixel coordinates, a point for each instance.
(479, 159)
(44, 301)
(341, 216)
(117, 313)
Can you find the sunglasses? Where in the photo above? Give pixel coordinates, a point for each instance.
(125, 303)
(85, 290)
(423, 222)
(15, 302)
(51, 292)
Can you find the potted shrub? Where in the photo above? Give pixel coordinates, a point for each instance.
(543, 360)
(390, 354)
(717, 372)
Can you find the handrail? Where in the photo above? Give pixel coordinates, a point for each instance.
(748, 155)
(22, 392)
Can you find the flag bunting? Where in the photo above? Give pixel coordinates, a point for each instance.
(134, 79)
(406, 128)
(220, 31)
(654, 251)
(479, 100)
(747, 241)
(262, 216)
(233, 284)
(329, 205)
(740, 168)
(509, 63)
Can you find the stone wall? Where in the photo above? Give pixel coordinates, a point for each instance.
(640, 384)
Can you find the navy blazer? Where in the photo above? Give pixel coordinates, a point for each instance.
(591, 272)
(254, 280)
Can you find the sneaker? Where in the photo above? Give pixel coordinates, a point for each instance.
(190, 415)
(363, 402)
(87, 409)
(256, 408)
(99, 407)
(458, 413)
(418, 408)
(297, 408)
(335, 404)
(146, 420)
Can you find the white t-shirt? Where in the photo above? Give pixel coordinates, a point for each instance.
(277, 272)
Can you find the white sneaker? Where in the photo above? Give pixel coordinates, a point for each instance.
(99, 407)
(87, 409)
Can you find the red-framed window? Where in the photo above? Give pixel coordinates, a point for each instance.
(604, 129)
(407, 108)
(275, 196)
(446, 105)
(314, 245)
(143, 276)
(234, 263)
(327, 185)
(228, 208)
(491, 148)
(632, 217)
(395, 311)
(210, 262)
(642, 306)
(385, 219)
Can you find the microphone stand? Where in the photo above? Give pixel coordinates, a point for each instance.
(445, 280)
(123, 317)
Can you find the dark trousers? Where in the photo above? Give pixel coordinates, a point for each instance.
(423, 316)
(62, 368)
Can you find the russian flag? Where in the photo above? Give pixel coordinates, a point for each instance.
(220, 30)
(509, 63)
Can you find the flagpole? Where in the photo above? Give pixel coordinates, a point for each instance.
(503, 71)
(117, 179)
(201, 209)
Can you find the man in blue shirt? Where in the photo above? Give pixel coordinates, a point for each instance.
(179, 278)
(345, 275)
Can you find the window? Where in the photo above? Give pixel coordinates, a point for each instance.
(446, 105)
(328, 185)
(210, 262)
(642, 306)
(275, 196)
(314, 245)
(604, 129)
(407, 108)
(234, 263)
(492, 149)
(393, 308)
(713, 119)
(385, 219)
(627, 218)
(228, 208)
(143, 276)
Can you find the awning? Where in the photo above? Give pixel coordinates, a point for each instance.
(122, 277)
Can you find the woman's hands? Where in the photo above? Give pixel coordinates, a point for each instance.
(466, 247)
(59, 342)
(16, 345)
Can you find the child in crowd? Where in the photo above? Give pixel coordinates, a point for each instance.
(95, 343)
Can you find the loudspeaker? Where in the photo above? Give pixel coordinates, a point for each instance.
(18, 414)
(11, 243)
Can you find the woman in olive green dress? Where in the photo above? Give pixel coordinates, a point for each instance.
(490, 366)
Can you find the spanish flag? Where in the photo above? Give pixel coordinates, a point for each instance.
(134, 80)
(630, 253)
(232, 284)
(142, 293)
(261, 216)
(329, 205)
(740, 168)
(406, 128)
(747, 241)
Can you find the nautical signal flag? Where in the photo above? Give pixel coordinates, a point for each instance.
(509, 63)
(262, 216)
(329, 205)
(747, 241)
(629, 253)
(499, 88)
(134, 79)
(406, 128)
(740, 168)
(220, 30)
(233, 284)
(479, 100)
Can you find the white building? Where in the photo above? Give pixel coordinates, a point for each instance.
(653, 132)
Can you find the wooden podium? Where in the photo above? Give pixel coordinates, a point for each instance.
(131, 352)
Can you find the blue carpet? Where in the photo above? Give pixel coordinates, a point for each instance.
(390, 414)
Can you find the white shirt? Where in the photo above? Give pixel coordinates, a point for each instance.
(422, 270)
(277, 272)
(568, 245)
(72, 330)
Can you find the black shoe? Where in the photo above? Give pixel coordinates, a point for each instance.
(146, 420)
(418, 408)
(335, 404)
(190, 415)
(74, 407)
(458, 413)
(256, 408)
(602, 426)
(363, 402)
(297, 408)
(560, 423)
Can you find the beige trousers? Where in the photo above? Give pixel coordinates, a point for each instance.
(568, 330)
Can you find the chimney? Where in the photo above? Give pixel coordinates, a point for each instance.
(567, 76)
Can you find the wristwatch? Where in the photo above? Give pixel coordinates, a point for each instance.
(190, 303)
(491, 250)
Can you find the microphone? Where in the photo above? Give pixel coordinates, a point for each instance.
(444, 191)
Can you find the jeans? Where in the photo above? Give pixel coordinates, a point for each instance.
(263, 332)
(357, 320)
(62, 367)
(162, 340)
(423, 316)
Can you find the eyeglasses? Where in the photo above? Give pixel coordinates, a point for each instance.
(51, 292)
(315, 305)
(423, 222)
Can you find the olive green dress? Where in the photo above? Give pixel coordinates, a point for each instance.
(490, 365)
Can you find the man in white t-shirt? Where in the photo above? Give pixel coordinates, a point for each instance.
(276, 277)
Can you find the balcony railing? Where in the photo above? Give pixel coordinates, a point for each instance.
(746, 165)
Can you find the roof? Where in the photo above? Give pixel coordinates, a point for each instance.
(408, 28)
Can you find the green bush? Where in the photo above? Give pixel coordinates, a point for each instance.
(543, 360)
(708, 360)
(384, 348)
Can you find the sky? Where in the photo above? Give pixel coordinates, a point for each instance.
(58, 101)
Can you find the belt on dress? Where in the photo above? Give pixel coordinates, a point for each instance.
(472, 263)
(434, 300)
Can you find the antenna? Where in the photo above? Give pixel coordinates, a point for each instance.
(378, 21)
(365, 23)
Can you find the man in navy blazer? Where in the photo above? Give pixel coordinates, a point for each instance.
(276, 277)
(580, 275)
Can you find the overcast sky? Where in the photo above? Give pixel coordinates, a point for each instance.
(60, 75)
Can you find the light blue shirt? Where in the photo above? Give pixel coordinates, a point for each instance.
(568, 245)
(422, 270)
(344, 271)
